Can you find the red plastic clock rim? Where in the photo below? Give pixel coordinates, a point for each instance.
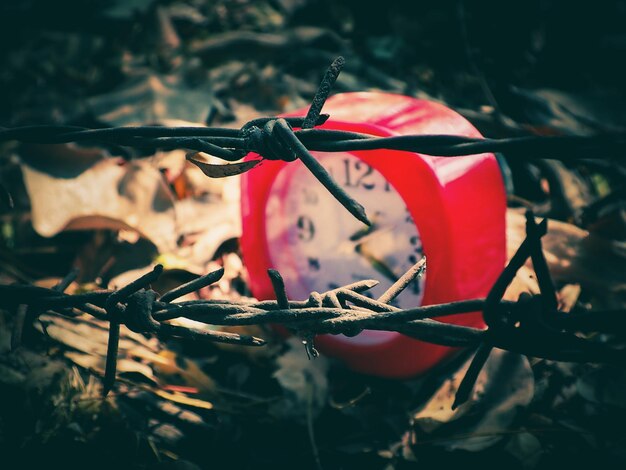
(456, 200)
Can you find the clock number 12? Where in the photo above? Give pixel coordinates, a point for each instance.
(358, 174)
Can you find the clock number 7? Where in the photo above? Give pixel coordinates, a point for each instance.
(306, 228)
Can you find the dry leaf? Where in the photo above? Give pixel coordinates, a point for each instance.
(97, 363)
(568, 296)
(176, 369)
(604, 385)
(505, 384)
(107, 195)
(61, 160)
(223, 170)
(526, 448)
(185, 400)
(304, 381)
(579, 114)
(147, 98)
(525, 281)
(574, 255)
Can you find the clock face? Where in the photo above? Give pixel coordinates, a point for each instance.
(317, 245)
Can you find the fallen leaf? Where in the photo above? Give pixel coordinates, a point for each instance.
(604, 386)
(304, 381)
(90, 336)
(224, 170)
(185, 400)
(526, 448)
(62, 160)
(576, 256)
(147, 98)
(525, 281)
(166, 406)
(107, 195)
(178, 369)
(165, 432)
(568, 296)
(577, 114)
(504, 386)
(97, 364)
(127, 9)
(10, 377)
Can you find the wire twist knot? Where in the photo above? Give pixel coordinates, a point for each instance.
(138, 312)
(268, 143)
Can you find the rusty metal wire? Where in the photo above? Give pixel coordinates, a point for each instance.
(532, 325)
(294, 138)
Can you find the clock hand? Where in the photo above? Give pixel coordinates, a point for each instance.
(376, 263)
(363, 232)
(363, 236)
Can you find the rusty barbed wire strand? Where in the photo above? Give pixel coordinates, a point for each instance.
(346, 310)
(292, 138)
(531, 325)
(193, 138)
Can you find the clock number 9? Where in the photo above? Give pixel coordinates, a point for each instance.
(306, 228)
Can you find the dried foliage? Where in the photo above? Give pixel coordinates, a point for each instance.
(173, 365)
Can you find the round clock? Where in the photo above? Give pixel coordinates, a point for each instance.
(450, 209)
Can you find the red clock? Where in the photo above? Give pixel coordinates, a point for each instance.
(450, 209)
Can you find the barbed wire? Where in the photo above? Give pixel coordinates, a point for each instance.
(532, 325)
(292, 138)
